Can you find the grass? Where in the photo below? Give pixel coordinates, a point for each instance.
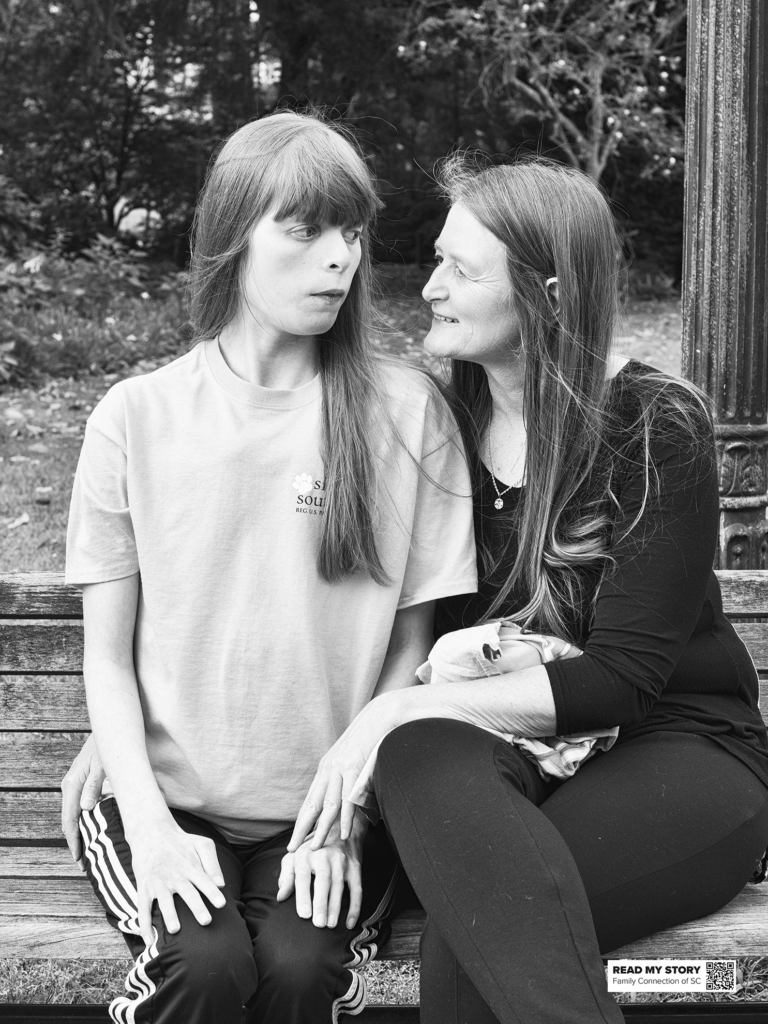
(41, 431)
(68, 342)
(99, 981)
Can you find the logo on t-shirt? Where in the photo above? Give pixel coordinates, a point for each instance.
(311, 495)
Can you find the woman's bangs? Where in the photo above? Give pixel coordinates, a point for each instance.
(319, 188)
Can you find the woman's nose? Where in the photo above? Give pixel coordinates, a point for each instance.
(435, 288)
(337, 254)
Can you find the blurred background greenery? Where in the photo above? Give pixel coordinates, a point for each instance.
(112, 110)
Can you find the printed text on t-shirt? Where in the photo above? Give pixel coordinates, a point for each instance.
(311, 495)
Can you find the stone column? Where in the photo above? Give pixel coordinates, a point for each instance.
(725, 267)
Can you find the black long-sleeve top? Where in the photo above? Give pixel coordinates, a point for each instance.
(659, 652)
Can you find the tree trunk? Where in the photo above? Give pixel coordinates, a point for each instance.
(725, 273)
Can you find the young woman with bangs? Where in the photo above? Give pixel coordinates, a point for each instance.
(261, 530)
(596, 517)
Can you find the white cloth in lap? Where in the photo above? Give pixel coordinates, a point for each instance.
(502, 646)
(492, 649)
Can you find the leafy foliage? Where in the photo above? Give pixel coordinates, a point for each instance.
(117, 105)
(593, 74)
(104, 309)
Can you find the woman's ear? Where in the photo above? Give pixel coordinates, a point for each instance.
(553, 290)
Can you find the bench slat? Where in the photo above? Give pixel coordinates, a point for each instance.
(58, 702)
(37, 862)
(30, 816)
(44, 593)
(41, 647)
(33, 594)
(744, 592)
(34, 703)
(755, 636)
(43, 702)
(39, 897)
(35, 760)
(740, 929)
(61, 938)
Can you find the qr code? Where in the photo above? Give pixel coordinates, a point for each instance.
(721, 975)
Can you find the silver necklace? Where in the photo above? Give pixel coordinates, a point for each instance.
(499, 503)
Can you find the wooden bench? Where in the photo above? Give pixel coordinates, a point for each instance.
(47, 908)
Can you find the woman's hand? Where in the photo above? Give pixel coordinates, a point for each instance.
(337, 863)
(340, 769)
(167, 861)
(80, 790)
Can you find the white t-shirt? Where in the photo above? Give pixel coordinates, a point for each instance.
(249, 664)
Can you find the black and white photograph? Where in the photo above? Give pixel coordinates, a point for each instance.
(384, 511)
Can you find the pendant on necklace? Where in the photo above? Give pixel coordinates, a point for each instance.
(498, 503)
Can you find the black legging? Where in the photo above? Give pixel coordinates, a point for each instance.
(526, 882)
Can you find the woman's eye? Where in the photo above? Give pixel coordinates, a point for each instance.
(306, 231)
(352, 235)
(439, 260)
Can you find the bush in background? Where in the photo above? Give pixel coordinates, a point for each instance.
(106, 309)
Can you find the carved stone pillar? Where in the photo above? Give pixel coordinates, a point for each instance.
(725, 272)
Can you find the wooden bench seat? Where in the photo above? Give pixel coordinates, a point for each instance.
(47, 908)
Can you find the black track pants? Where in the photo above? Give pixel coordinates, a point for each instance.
(525, 882)
(257, 962)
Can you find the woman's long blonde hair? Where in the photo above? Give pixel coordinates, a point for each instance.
(555, 222)
(298, 165)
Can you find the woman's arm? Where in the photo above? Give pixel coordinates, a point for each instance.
(516, 702)
(166, 860)
(109, 618)
(648, 606)
(409, 645)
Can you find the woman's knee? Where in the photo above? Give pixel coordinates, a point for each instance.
(201, 974)
(298, 966)
(428, 754)
(216, 959)
(423, 744)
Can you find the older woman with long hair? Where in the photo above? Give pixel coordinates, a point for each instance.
(553, 812)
